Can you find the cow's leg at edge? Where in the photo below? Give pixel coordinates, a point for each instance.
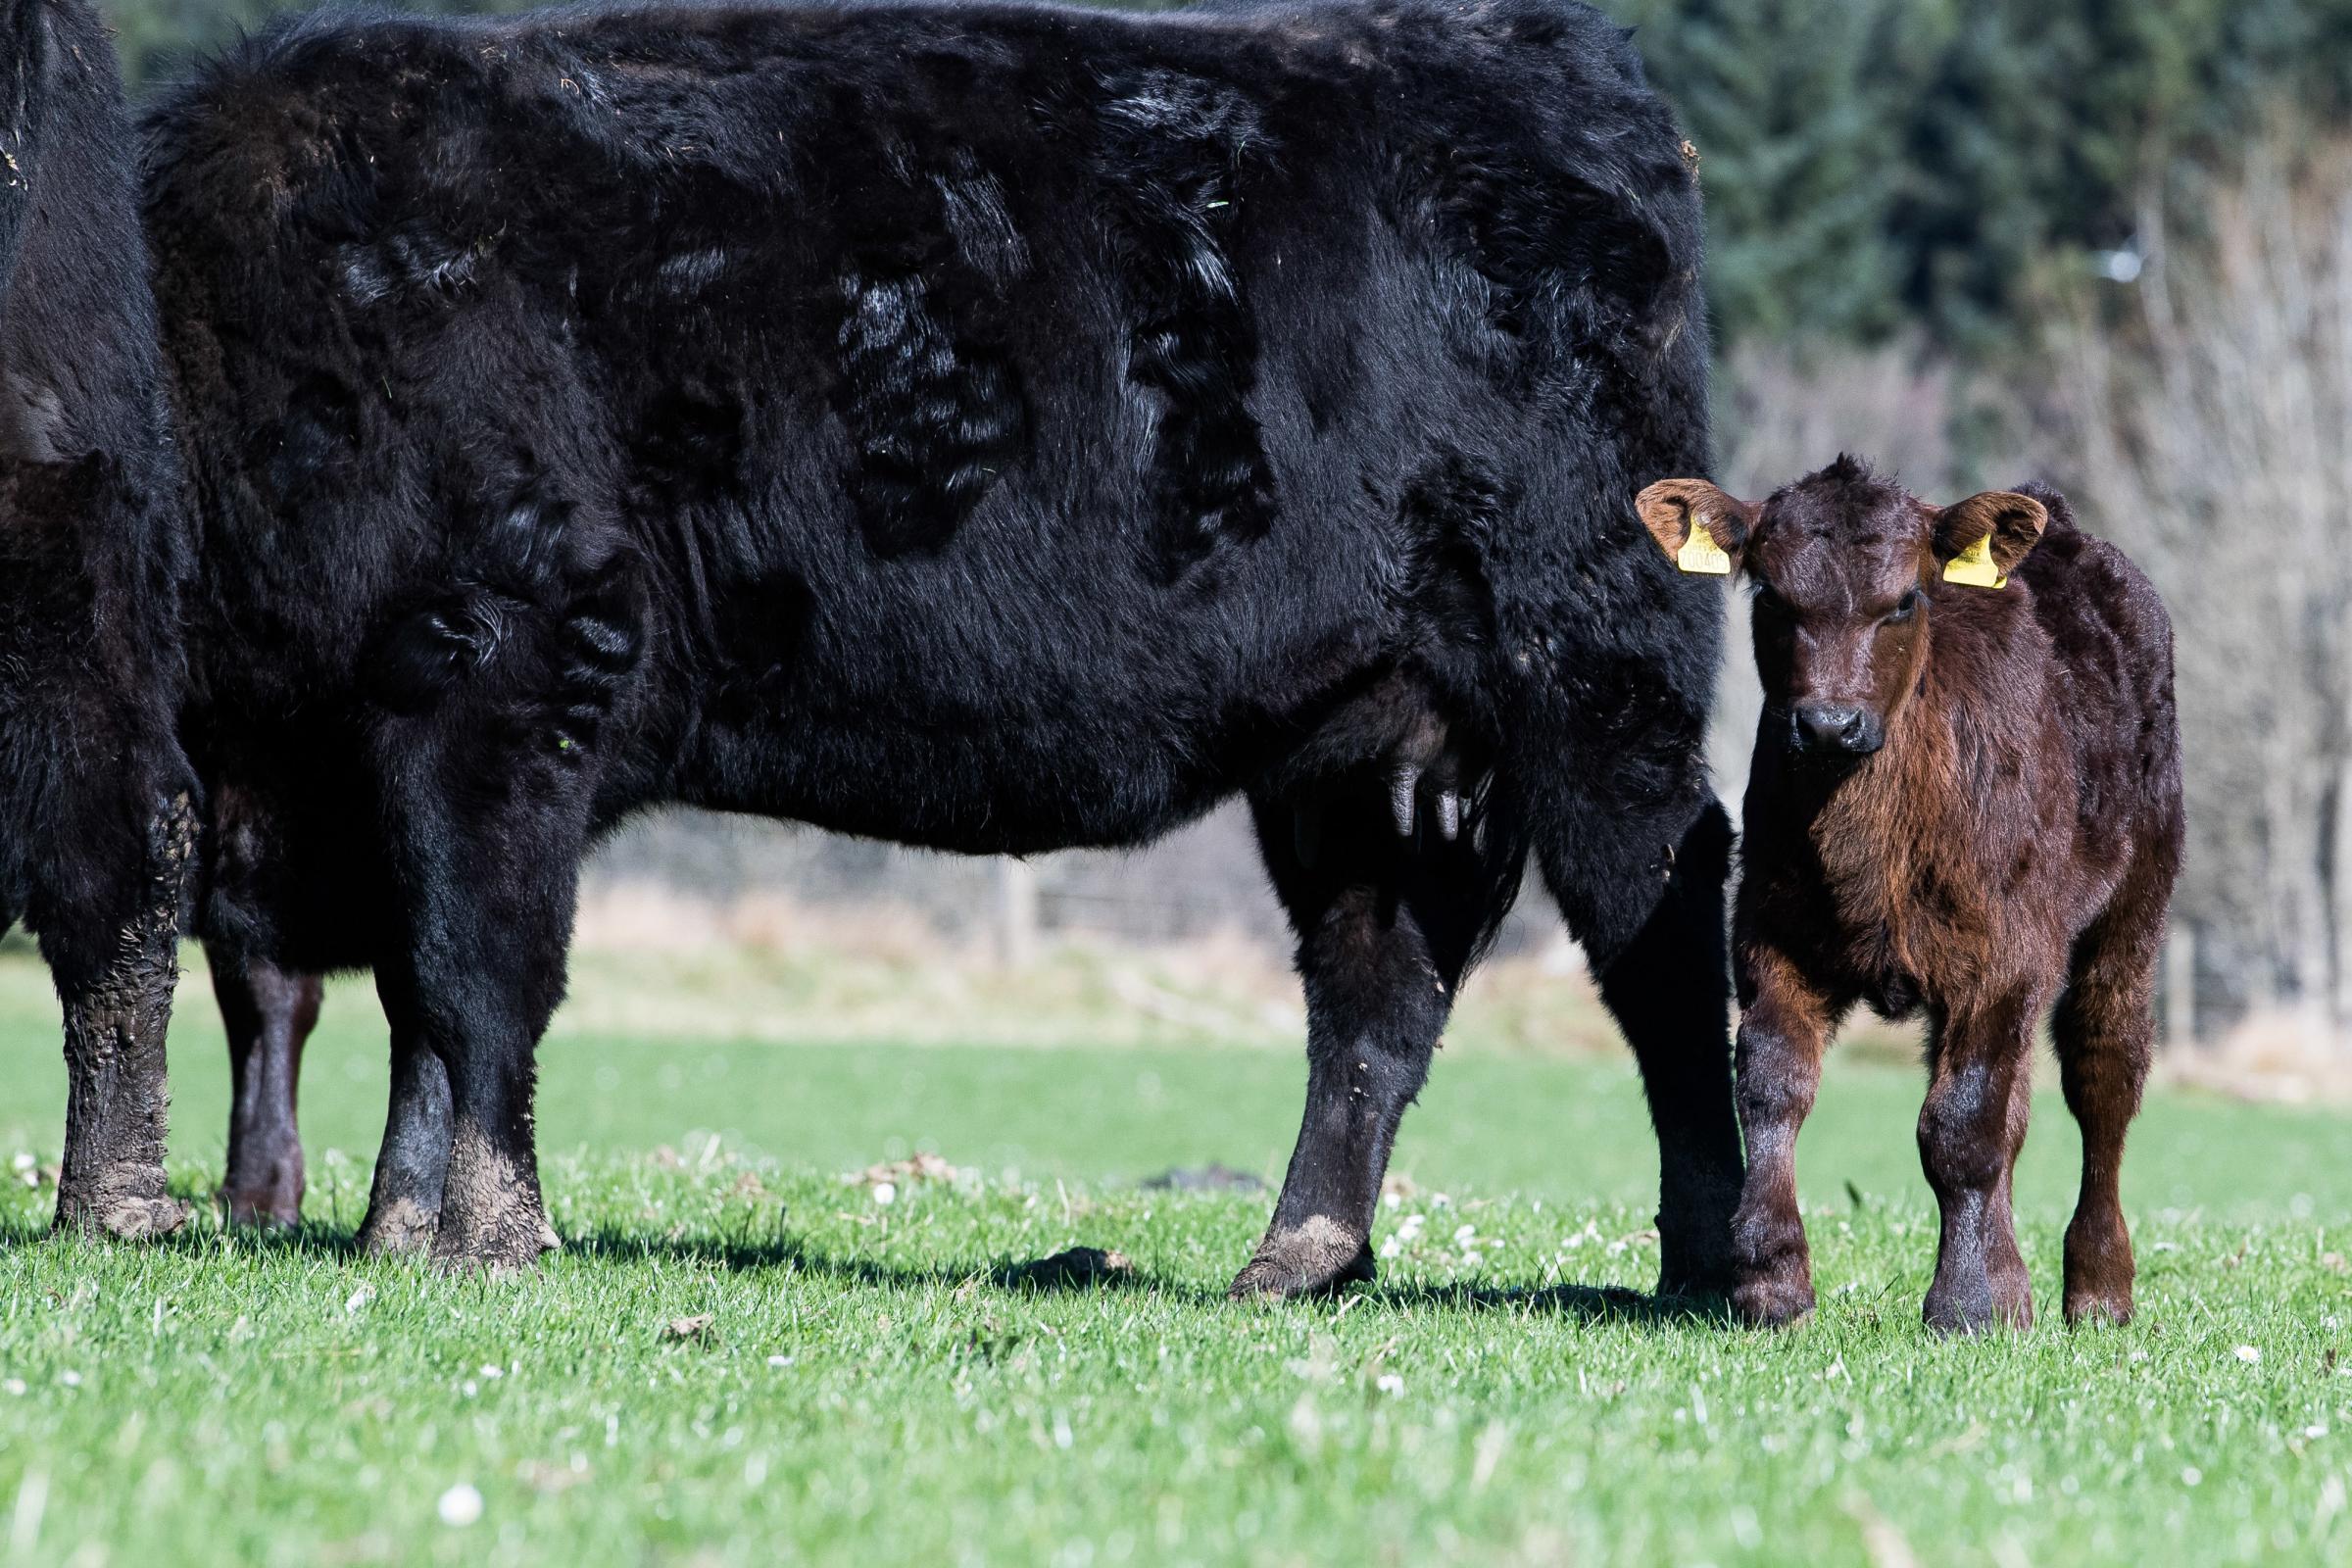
(268, 1014)
(117, 1008)
(1668, 986)
(1387, 928)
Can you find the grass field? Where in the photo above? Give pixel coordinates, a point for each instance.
(868, 1386)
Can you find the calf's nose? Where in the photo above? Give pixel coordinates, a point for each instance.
(1844, 727)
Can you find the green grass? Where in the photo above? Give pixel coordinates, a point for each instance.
(871, 1389)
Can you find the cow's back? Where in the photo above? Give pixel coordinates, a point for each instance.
(1106, 388)
(2111, 643)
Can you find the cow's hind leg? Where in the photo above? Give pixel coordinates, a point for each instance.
(1388, 924)
(2105, 1029)
(269, 1014)
(1668, 984)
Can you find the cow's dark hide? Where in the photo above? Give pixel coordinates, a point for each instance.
(989, 426)
(97, 818)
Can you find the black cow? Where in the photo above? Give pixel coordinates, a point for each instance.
(97, 822)
(991, 426)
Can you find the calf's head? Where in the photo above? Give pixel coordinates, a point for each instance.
(1845, 569)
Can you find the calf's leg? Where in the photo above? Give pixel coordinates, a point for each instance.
(269, 1014)
(1971, 1130)
(1783, 1030)
(2105, 1030)
(1387, 928)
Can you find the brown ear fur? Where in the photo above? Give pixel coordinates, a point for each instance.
(1668, 507)
(2013, 521)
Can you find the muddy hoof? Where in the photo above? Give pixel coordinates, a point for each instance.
(513, 1246)
(397, 1228)
(127, 1219)
(1309, 1259)
(1770, 1304)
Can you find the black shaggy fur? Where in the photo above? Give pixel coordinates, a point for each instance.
(991, 426)
(97, 818)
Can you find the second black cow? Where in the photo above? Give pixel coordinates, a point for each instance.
(996, 427)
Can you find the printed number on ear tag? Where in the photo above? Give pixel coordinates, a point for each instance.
(1974, 567)
(1701, 554)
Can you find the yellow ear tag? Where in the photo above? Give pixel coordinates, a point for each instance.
(1974, 567)
(1701, 554)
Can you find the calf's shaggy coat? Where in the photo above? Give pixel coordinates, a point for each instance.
(996, 427)
(97, 822)
(1965, 800)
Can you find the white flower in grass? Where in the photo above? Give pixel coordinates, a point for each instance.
(460, 1506)
(886, 1194)
(1391, 1248)
(1390, 1382)
(2250, 1355)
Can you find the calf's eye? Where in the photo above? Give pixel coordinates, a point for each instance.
(1905, 610)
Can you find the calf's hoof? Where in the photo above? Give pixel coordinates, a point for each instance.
(127, 1218)
(1772, 1302)
(1310, 1259)
(261, 1208)
(2093, 1307)
(1977, 1309)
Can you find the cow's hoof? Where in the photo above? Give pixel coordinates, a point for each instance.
(1689, 1272)
(398, 1227)
(513, 1245)
(1306, 1260)
(1773, 1304)
(490, 1262)
(126, 1220)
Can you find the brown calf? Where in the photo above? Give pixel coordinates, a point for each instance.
(1965, 799)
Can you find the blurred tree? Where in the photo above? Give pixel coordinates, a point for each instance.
(1802, 155)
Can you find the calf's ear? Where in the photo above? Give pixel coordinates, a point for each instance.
(1981, 540)
(1700, 528)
